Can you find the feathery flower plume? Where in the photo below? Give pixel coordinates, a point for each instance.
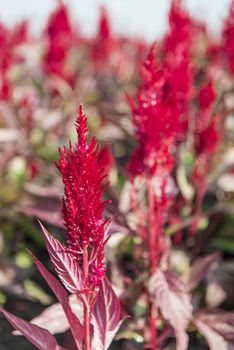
(59, 36)
(104, 42)
(160, 117)
(228, 38)
(206, 136)
(160, 114)
(82, 175)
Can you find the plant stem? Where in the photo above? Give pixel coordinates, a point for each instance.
(152, 231)
(153, 255)
(152, 328)
(87, 327)
(86, 305)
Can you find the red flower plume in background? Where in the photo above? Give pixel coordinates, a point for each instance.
(160, 114)
(228, 38)
(59, 35)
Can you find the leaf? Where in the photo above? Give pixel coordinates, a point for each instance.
(214, 340)
(219, 320)
(49, 212)
(221, 278)
(174, 301)
(215, 295)
(106, 317)
(217, 328)
(43, 191)
(200, 269)
(38, 336)
(65, 265)
(61, 294)
(53, 317)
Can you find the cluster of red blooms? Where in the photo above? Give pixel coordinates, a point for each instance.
(161, 113)
(106, 52)
(164, 115)
(82, 174)
(10, 40)
(206, 130)
(161, 118)
(60, 38)
(104, 43)
(227, 45)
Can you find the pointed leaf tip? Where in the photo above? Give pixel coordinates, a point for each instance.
(64, 263)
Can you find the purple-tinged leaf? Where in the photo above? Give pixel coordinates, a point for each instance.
(49, 212)
(106, 317)
(61, 294)
(200, 269)
(171, 296)
(217, 328)
(64, 263)
(38, 336)
(42, 191)
(53, 317)
(215, 295)
(220, 321)
(214, 340)
(222, 277)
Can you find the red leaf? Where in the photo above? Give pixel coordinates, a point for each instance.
(173, 299)
(200, 268)
(106, 317)
(65, 265)
(61, 294)
(38, 336)
(217, 328)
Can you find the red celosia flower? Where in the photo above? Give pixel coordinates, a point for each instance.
(206, 98)
(206, 134)
(83, 177)
(5, 87)
(161, 113)
(21, 33)
(228, 38)
(106, 159)
(103, 44)
(106, 48)
(177, 51)
(6, 60)
(9, 40)
(206, 95)
(206, 137)
(34, 167)
(180, 27)
(59, 35)
(159, 120)
(207, 140)
(151, 119)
